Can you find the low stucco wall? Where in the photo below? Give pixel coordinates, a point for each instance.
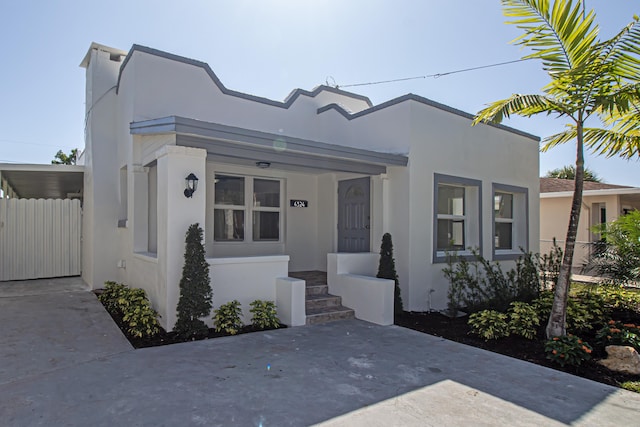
(246, 279)
(290, 300)
(352, 277)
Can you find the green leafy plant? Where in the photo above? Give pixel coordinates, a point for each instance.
(481, 284)
(631, 386)
(549, 266)
(111, 294)
(616, 297)
(523, 320)
(489, 324)
(583, 310)
(141, 319)
(265, 315)
(227, 318)
(618, 253)
(387, 270)
(618, 333)
(567, 350)
(195, 289)
(133, 306)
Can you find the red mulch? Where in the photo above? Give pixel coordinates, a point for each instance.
(529, 350)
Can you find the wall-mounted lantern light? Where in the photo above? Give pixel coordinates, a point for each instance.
(191, 182)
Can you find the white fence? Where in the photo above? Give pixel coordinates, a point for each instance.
(40, 238)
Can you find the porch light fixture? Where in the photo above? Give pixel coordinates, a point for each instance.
(191, 182)
(263, 165)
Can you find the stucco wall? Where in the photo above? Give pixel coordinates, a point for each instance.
(436, 142)
(101, 173)
(554, 220)
(446, 143)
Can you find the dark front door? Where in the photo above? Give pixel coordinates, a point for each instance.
(353, 215)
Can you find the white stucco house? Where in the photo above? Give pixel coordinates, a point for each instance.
(308, 184)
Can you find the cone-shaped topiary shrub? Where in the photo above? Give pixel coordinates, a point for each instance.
(195, 289)
(387, 270)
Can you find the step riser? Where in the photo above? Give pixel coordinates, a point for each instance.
(324, 302)
(330, 317)
(317, 290)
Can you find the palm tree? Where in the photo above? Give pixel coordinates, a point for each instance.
(569, 172)
(588, 78)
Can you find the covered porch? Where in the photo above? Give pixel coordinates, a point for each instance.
(269, 204)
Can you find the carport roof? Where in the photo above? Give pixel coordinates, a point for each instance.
(31, 181)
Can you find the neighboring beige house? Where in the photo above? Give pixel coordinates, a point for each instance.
(601, 203)
(308, 184)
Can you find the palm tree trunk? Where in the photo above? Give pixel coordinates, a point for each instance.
(557, 320)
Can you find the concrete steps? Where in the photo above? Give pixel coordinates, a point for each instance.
(320, 305)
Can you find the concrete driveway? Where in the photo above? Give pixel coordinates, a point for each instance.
(63, 362)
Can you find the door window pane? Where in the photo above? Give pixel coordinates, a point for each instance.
(229, 190)
(228, 224)
(266, 193)
(450, 200)
(266, 225)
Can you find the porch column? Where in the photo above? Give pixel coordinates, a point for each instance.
(175, 214)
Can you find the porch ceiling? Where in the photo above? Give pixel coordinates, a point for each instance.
(240, 146)
(44, 181)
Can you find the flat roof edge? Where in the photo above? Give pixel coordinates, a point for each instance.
(425, 101)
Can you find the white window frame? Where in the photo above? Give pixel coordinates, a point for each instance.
(472, 215)
(249, 208)
(519, 221)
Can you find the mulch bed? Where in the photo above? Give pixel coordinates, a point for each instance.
(165, 338)
(532, 351)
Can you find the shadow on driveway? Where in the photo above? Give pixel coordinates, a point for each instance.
(342, 373)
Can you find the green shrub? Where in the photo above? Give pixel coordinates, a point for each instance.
(489, 324)
(523, 320)
(111, 294)
(616, 297)
(227, 318)
(583, 310)
(567, 350)
(617, 333)
(141, 319)
(631, 386)
(618, 254)
(195, 288)
(133, 306)
(387, 270)
(549, 266)
(265, 315)
(482, 284)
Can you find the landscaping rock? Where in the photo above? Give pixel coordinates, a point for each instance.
(622, 359)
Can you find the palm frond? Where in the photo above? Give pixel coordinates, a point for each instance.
(521, 105)
(559, 138)
(623, 51)
(611, 142)
(607, 142)
(559, 35)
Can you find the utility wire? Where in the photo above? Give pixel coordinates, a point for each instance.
(435, 76)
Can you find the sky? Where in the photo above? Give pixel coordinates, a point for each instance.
(271, 47)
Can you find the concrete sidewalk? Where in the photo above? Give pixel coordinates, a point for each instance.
(345, 373)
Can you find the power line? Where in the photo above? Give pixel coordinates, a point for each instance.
(13, 141)
(435, 76)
